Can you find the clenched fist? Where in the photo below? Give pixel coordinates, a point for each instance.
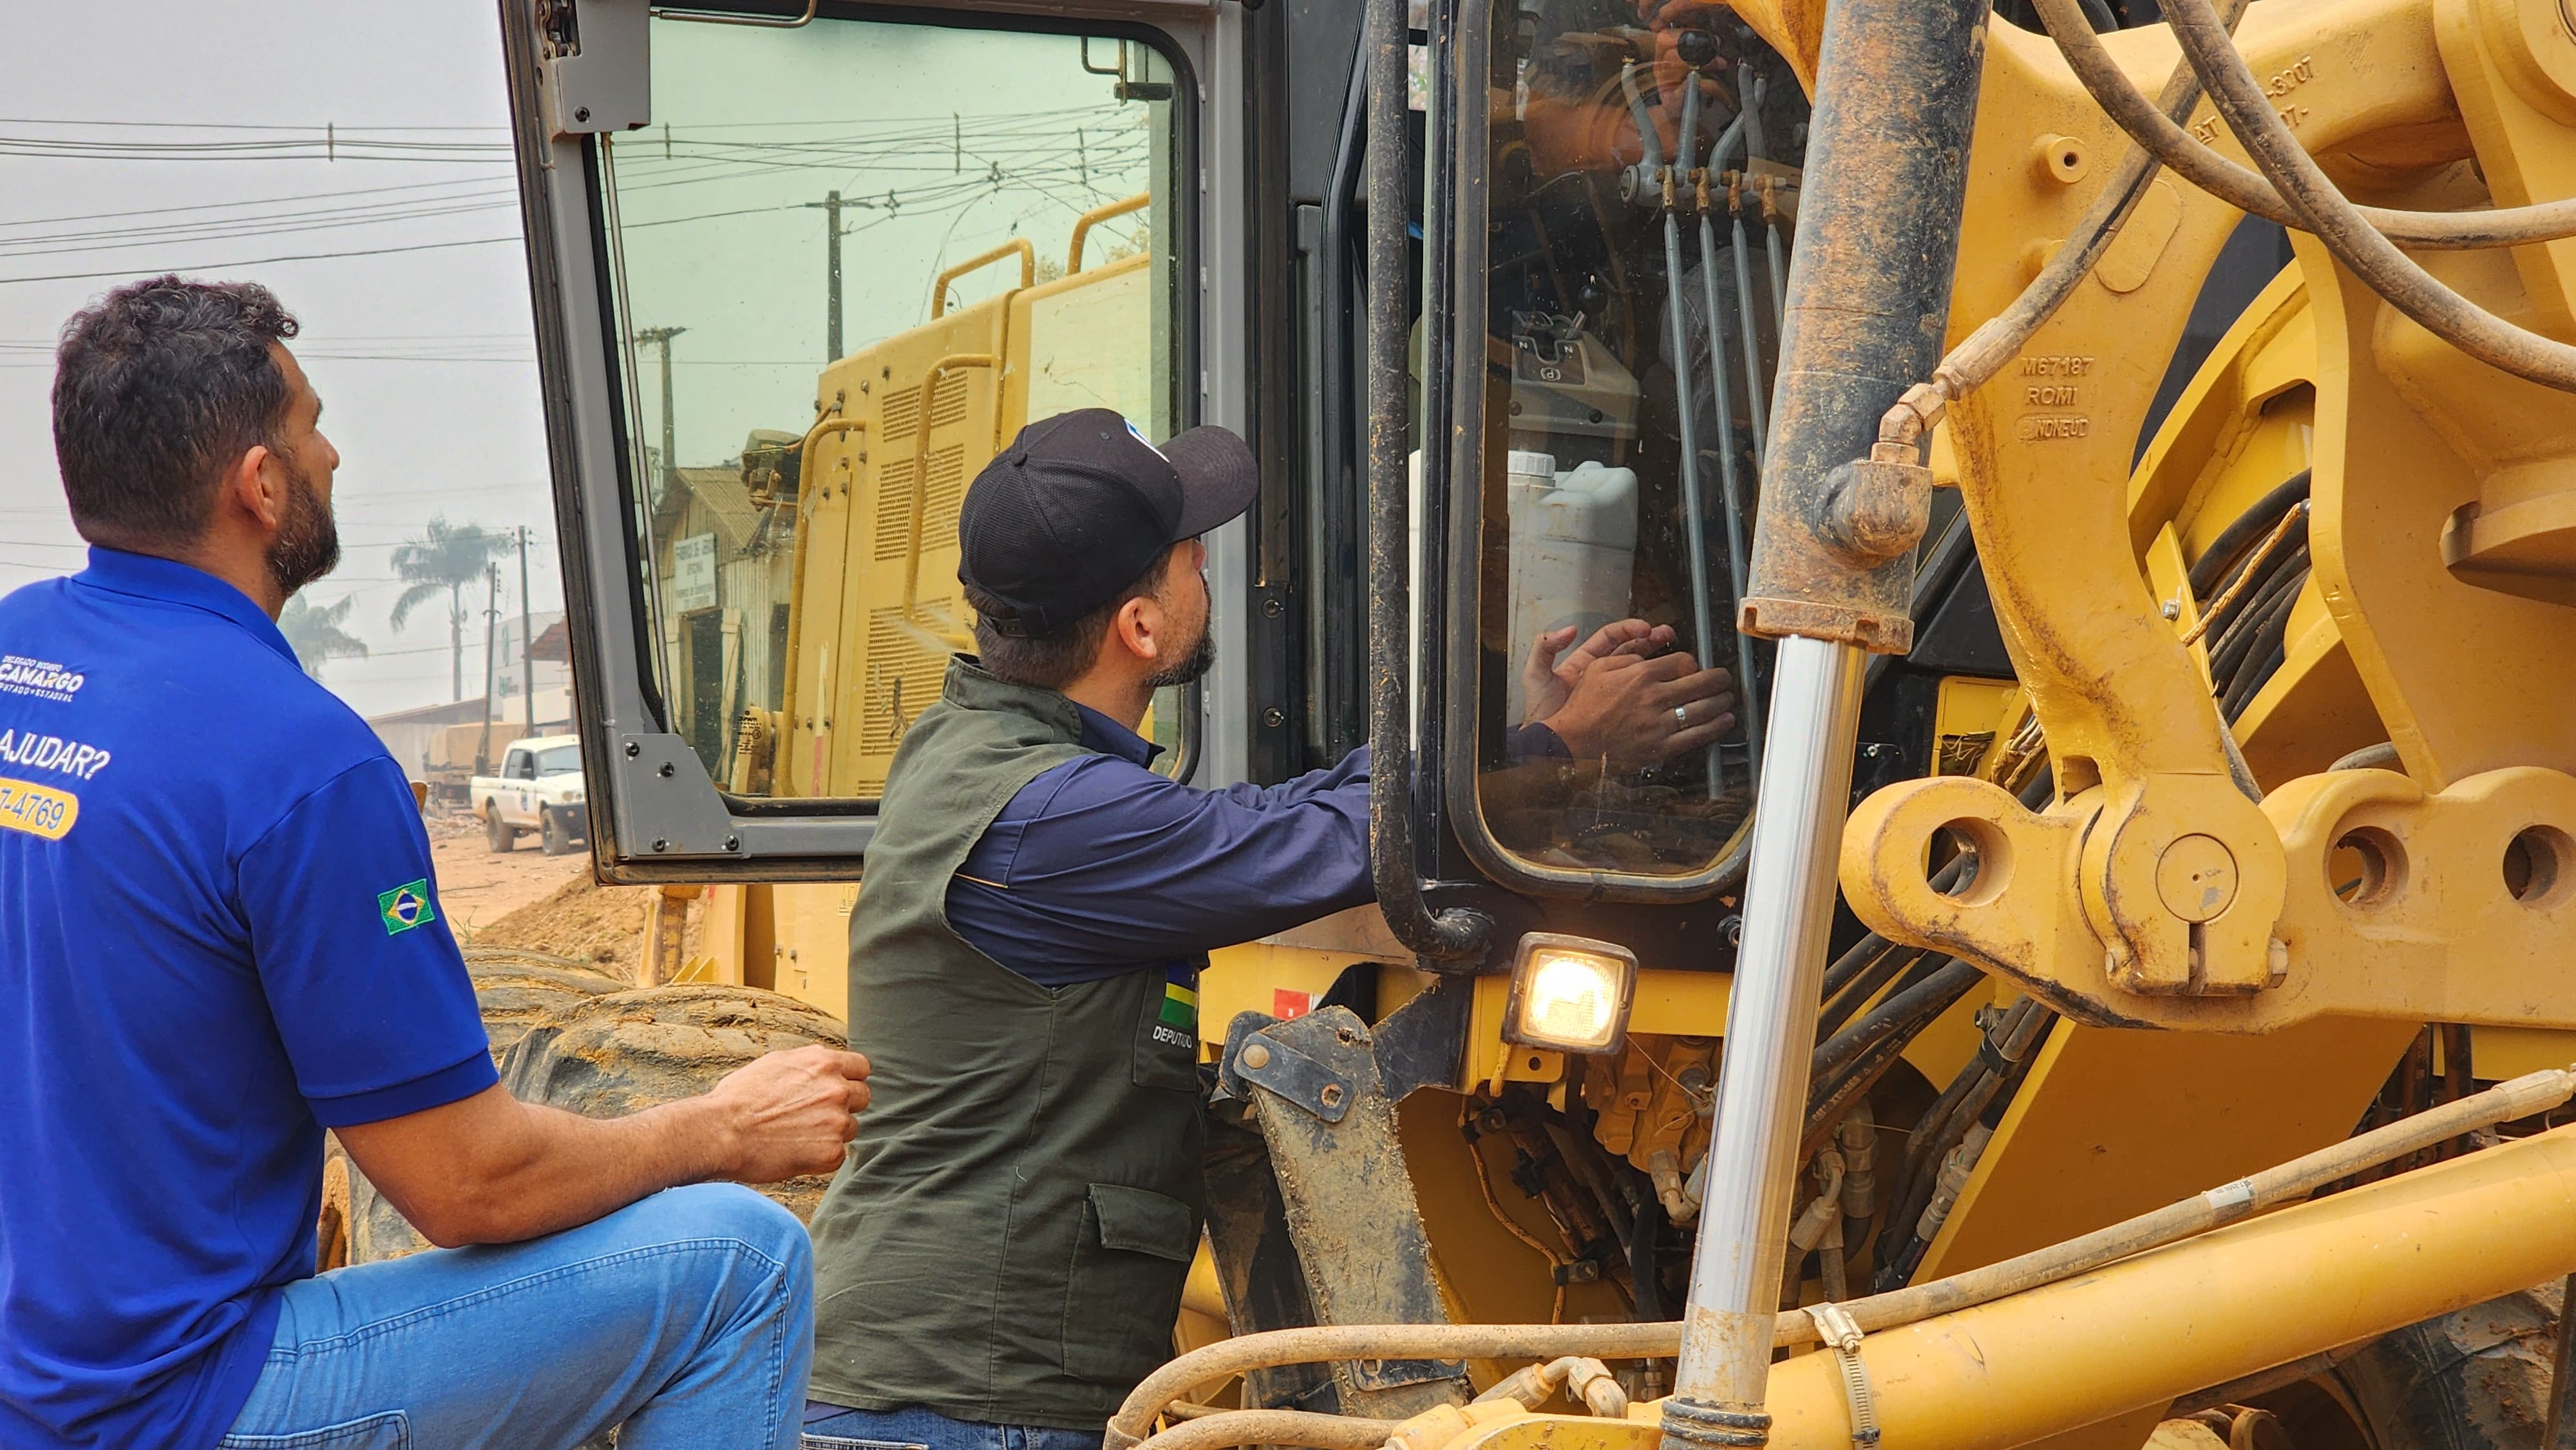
(790, 1113)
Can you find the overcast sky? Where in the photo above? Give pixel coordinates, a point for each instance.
(148, 137)
(355, 158)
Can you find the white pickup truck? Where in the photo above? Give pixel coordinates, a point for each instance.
(539, 789)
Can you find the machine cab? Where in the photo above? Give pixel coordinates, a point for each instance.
(801, 271)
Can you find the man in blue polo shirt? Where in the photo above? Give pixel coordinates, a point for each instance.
(219, 935)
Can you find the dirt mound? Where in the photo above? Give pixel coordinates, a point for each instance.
(582, 920)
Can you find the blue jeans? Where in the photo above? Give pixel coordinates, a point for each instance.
(914, 1428)
(688, 1318)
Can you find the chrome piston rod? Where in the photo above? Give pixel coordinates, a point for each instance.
(1868, 298)
(1770, 1032)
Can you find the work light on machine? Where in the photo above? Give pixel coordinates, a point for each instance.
(1570, 993)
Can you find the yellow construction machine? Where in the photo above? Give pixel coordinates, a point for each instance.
(2108, 988)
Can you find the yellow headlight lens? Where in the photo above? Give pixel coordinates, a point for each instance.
(1571, 994)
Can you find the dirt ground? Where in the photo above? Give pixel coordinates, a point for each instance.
(477, 887)
(536, 902)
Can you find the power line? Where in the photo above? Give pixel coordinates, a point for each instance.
(223, 125)
(1036, 169)
(155, 211)
(264, 261)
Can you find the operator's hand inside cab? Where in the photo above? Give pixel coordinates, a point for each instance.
(1625, 696)
(212, 955)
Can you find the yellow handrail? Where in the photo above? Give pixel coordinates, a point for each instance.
(824, 427)
(1083, 224)
(1028, 271)
(954, 362)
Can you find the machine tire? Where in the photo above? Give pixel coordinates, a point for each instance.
(516, 990)
(497, 834)
(628, 1051)
(2474, 1379)
(552, 836)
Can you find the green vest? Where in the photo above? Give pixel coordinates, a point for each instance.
(1007, 1241)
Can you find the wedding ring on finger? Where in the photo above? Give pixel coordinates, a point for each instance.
(1682, 713)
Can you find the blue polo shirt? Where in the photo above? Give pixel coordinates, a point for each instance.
(219, 934)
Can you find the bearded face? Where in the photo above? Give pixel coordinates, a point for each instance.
(307, 545)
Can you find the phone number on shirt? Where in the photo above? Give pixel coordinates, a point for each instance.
(38, 810)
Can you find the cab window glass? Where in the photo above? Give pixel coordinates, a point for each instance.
(805, 410)
(516, 768)
(559, 760)
(1632, 329)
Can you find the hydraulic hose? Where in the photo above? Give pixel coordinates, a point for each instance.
(2289, 536)
(1947, 1159)
(1880, 970)
(1756, 149)
(1694, 515)
(1323, 1343)
(1860, 1055)
(2396, 277)
(1915, 1005)
(2279, 592)
(2271, 1188)
(1869, 948)
(1227, 1428)
(1748, 698)
(1760, 416)
(2247, 192)
(1999, 339)
(2519, 1098)
(2243, 530)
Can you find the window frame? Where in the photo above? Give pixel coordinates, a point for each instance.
(659, 816)
(1458, 229)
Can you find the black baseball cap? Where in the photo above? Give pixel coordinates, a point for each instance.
(1080, 506)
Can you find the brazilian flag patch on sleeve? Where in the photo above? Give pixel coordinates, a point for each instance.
(406, 907)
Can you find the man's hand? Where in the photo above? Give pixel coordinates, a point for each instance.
(1549, 675)
(790, 1112)
(1626, 708)
(490, 1169)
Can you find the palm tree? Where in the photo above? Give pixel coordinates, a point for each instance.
(316, 633)
(446, 557)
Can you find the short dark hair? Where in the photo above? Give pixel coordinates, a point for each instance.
(1053, 661)
(158, 387)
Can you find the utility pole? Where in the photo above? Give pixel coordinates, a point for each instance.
(527, 641)
(830, 206)
(661, 337)
(491, 625)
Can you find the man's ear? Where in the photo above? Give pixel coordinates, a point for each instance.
(255, 485)
(1141, 627)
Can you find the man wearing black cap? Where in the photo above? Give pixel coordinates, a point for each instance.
(1001, 1259)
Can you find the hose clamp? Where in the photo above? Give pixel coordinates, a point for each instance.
(1842, 1334)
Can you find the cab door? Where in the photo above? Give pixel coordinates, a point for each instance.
(798, 272)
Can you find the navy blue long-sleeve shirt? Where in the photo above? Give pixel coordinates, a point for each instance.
(1100, 867)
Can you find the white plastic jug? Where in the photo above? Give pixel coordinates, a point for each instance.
(1574, 551)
